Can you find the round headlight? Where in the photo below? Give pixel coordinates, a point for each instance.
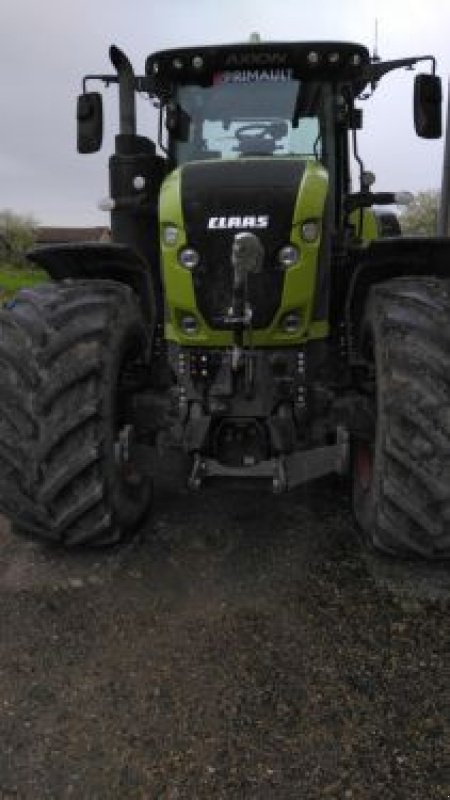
(170, 234)
(189, 324)
(291, 322)
(288, 255)
(188, 257)
(313, 58)
(177, 63)
(310, 230)
(197, 62)
(333, 58)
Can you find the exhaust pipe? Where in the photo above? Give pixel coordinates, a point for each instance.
(127, 100)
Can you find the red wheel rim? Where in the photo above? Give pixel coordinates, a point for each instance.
(364, 465)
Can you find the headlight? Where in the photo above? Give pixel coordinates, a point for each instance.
(170, 234)
(310, 230)
(291, 322)
(313, 58)
(188, 257)
(288, 255)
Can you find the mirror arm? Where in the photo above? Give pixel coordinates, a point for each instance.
(141, 82)
(106, 79)
(373, 72)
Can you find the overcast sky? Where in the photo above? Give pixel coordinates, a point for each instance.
(47, 46)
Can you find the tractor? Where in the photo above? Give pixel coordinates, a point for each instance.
(249, 312)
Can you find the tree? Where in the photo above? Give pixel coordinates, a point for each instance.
(421, 216)
(17, 235)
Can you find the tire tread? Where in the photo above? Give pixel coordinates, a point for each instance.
(56, 346)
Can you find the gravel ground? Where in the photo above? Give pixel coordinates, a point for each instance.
(244, 647)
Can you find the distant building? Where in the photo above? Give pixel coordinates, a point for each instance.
(47, 235)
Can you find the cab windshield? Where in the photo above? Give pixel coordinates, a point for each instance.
(250, 113)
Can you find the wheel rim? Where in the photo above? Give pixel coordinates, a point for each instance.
(364, 465)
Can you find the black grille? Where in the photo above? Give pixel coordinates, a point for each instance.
(241, 188)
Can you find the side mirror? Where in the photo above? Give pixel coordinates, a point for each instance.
(428, 106)
(89, 122)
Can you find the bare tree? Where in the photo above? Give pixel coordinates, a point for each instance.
(17, 235)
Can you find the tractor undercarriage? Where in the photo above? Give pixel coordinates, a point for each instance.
(255, 416)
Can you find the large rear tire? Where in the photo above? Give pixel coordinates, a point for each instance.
(401, 474)
(69, 355)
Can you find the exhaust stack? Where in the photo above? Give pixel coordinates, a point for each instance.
(127, 101)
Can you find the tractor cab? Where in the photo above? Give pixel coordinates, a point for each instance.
(277, 101)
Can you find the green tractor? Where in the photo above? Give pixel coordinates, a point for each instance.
(247, 311)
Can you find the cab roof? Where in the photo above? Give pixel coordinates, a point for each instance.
(338, 61)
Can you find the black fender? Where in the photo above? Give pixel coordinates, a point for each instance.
(391, 258)
(87, 260)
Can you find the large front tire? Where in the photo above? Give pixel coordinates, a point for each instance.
(69, 354)
(401, 474)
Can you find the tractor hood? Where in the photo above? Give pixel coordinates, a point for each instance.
(220, 199)
(209, 203)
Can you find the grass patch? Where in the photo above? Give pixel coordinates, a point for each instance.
(14, 278)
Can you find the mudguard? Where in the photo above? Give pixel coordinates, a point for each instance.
(389, 258)
(111, 261)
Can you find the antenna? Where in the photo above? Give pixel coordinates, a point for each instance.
(376, 56)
